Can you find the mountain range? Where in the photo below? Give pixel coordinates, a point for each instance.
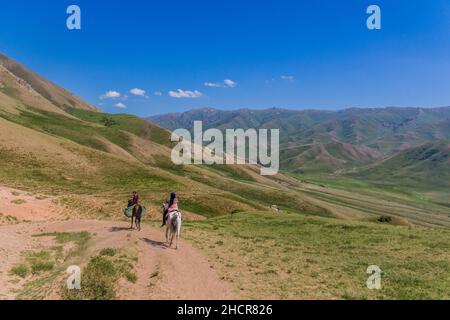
(404, 146)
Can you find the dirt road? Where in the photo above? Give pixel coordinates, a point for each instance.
(163, 273)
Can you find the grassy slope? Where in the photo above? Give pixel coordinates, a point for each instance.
(52, 93)
(302, 257)
(365, 200)
(111, 176)
(107, 177)
(423, 169)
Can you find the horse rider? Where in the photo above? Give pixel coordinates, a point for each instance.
(172, 206)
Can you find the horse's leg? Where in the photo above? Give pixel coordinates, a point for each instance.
(167, 234)
(132, 222)
(137, 218)
(172, 234)
(178, 231)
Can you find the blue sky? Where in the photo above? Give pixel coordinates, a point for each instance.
(292, 54)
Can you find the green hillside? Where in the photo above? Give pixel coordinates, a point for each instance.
(346, 143)
(111, 164)
(315, 141)
(20, 81)
(425, 168)
(287, 257)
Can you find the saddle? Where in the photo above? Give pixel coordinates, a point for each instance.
(128, 212)
(176, 215)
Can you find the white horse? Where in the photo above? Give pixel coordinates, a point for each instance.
(173, 227)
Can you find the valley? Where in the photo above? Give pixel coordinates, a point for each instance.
(395, 148)
(346, 198)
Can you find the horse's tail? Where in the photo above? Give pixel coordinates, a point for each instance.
(177, 224)
(174, 223)
(174, 220)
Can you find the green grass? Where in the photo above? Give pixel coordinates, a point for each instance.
(125, 122)
(8, 219)
(108, 252)
(41, 266)
(100, 277)
(377, 199)
(99, 280)
(361, 186)
(421, 169)
(113, 175)
(18, 201)
(47, 265)
(21, 270)
(131, 277)
(38, 262)
(287, 256)
(80, 239)
(72, 129)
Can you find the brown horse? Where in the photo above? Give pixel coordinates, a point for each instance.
(136, 217)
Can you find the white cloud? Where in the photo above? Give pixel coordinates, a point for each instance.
(158, 93)
(288, 78)
(185, 94)
(120, 105)
(110, 95)
(230, 83)
(138, 92)
(227, 83)
(213, 85)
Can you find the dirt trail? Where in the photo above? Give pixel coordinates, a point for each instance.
(163, 273)
(25, 206)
